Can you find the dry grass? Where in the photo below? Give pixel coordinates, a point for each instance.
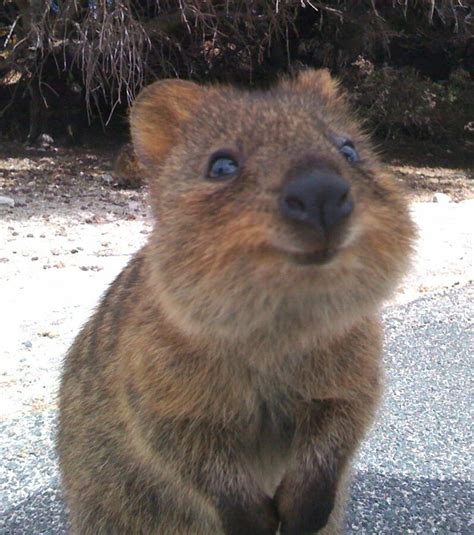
(117, 44)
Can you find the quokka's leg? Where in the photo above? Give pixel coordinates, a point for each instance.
(311, 497)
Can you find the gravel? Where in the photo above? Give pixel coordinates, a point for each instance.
(414, 475)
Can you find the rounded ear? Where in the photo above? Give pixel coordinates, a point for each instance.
(158, 115)
(320, 82)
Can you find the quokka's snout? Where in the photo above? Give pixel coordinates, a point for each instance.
(317, 199)
(317, 202)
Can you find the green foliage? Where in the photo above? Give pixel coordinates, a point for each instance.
(401, 102)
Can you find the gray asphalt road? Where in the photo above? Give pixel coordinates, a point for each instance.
(413, 475)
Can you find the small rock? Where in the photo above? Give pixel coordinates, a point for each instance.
(134, 206)
(74, 251)
(29, 235)
(15, 233)
(108, 179)
(7, 201)
(91, 268)
(48, 334)
(441, 198)
(94, 220)
(34, 258)
(44, 141)
(4, 260)
(27, 344)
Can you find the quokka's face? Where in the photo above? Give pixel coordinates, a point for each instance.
(266, 196)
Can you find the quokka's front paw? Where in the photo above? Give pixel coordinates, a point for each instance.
(255, 519)
(304, 508)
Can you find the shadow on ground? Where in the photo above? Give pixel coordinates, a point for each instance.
(379, 504)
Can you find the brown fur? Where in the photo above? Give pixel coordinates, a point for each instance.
(222, 388)
(127, 170)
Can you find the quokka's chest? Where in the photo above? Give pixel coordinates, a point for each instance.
(271, 446)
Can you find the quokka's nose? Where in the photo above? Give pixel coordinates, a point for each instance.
(319, 199)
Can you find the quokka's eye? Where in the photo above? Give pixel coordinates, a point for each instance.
(348, 150)
(222, 166)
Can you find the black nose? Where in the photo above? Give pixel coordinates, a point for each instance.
(319, 199)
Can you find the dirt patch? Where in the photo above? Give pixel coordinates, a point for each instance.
(423, 182)
(425, 169)
(79, 182)
(72, 183)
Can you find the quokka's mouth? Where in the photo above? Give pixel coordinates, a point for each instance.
(319, 257)
(304, 253)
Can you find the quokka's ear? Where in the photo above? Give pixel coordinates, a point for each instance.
(320, 82)
(158, 115)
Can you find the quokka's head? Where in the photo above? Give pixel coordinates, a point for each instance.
(270, 205)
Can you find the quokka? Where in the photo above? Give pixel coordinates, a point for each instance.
(232, 369)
